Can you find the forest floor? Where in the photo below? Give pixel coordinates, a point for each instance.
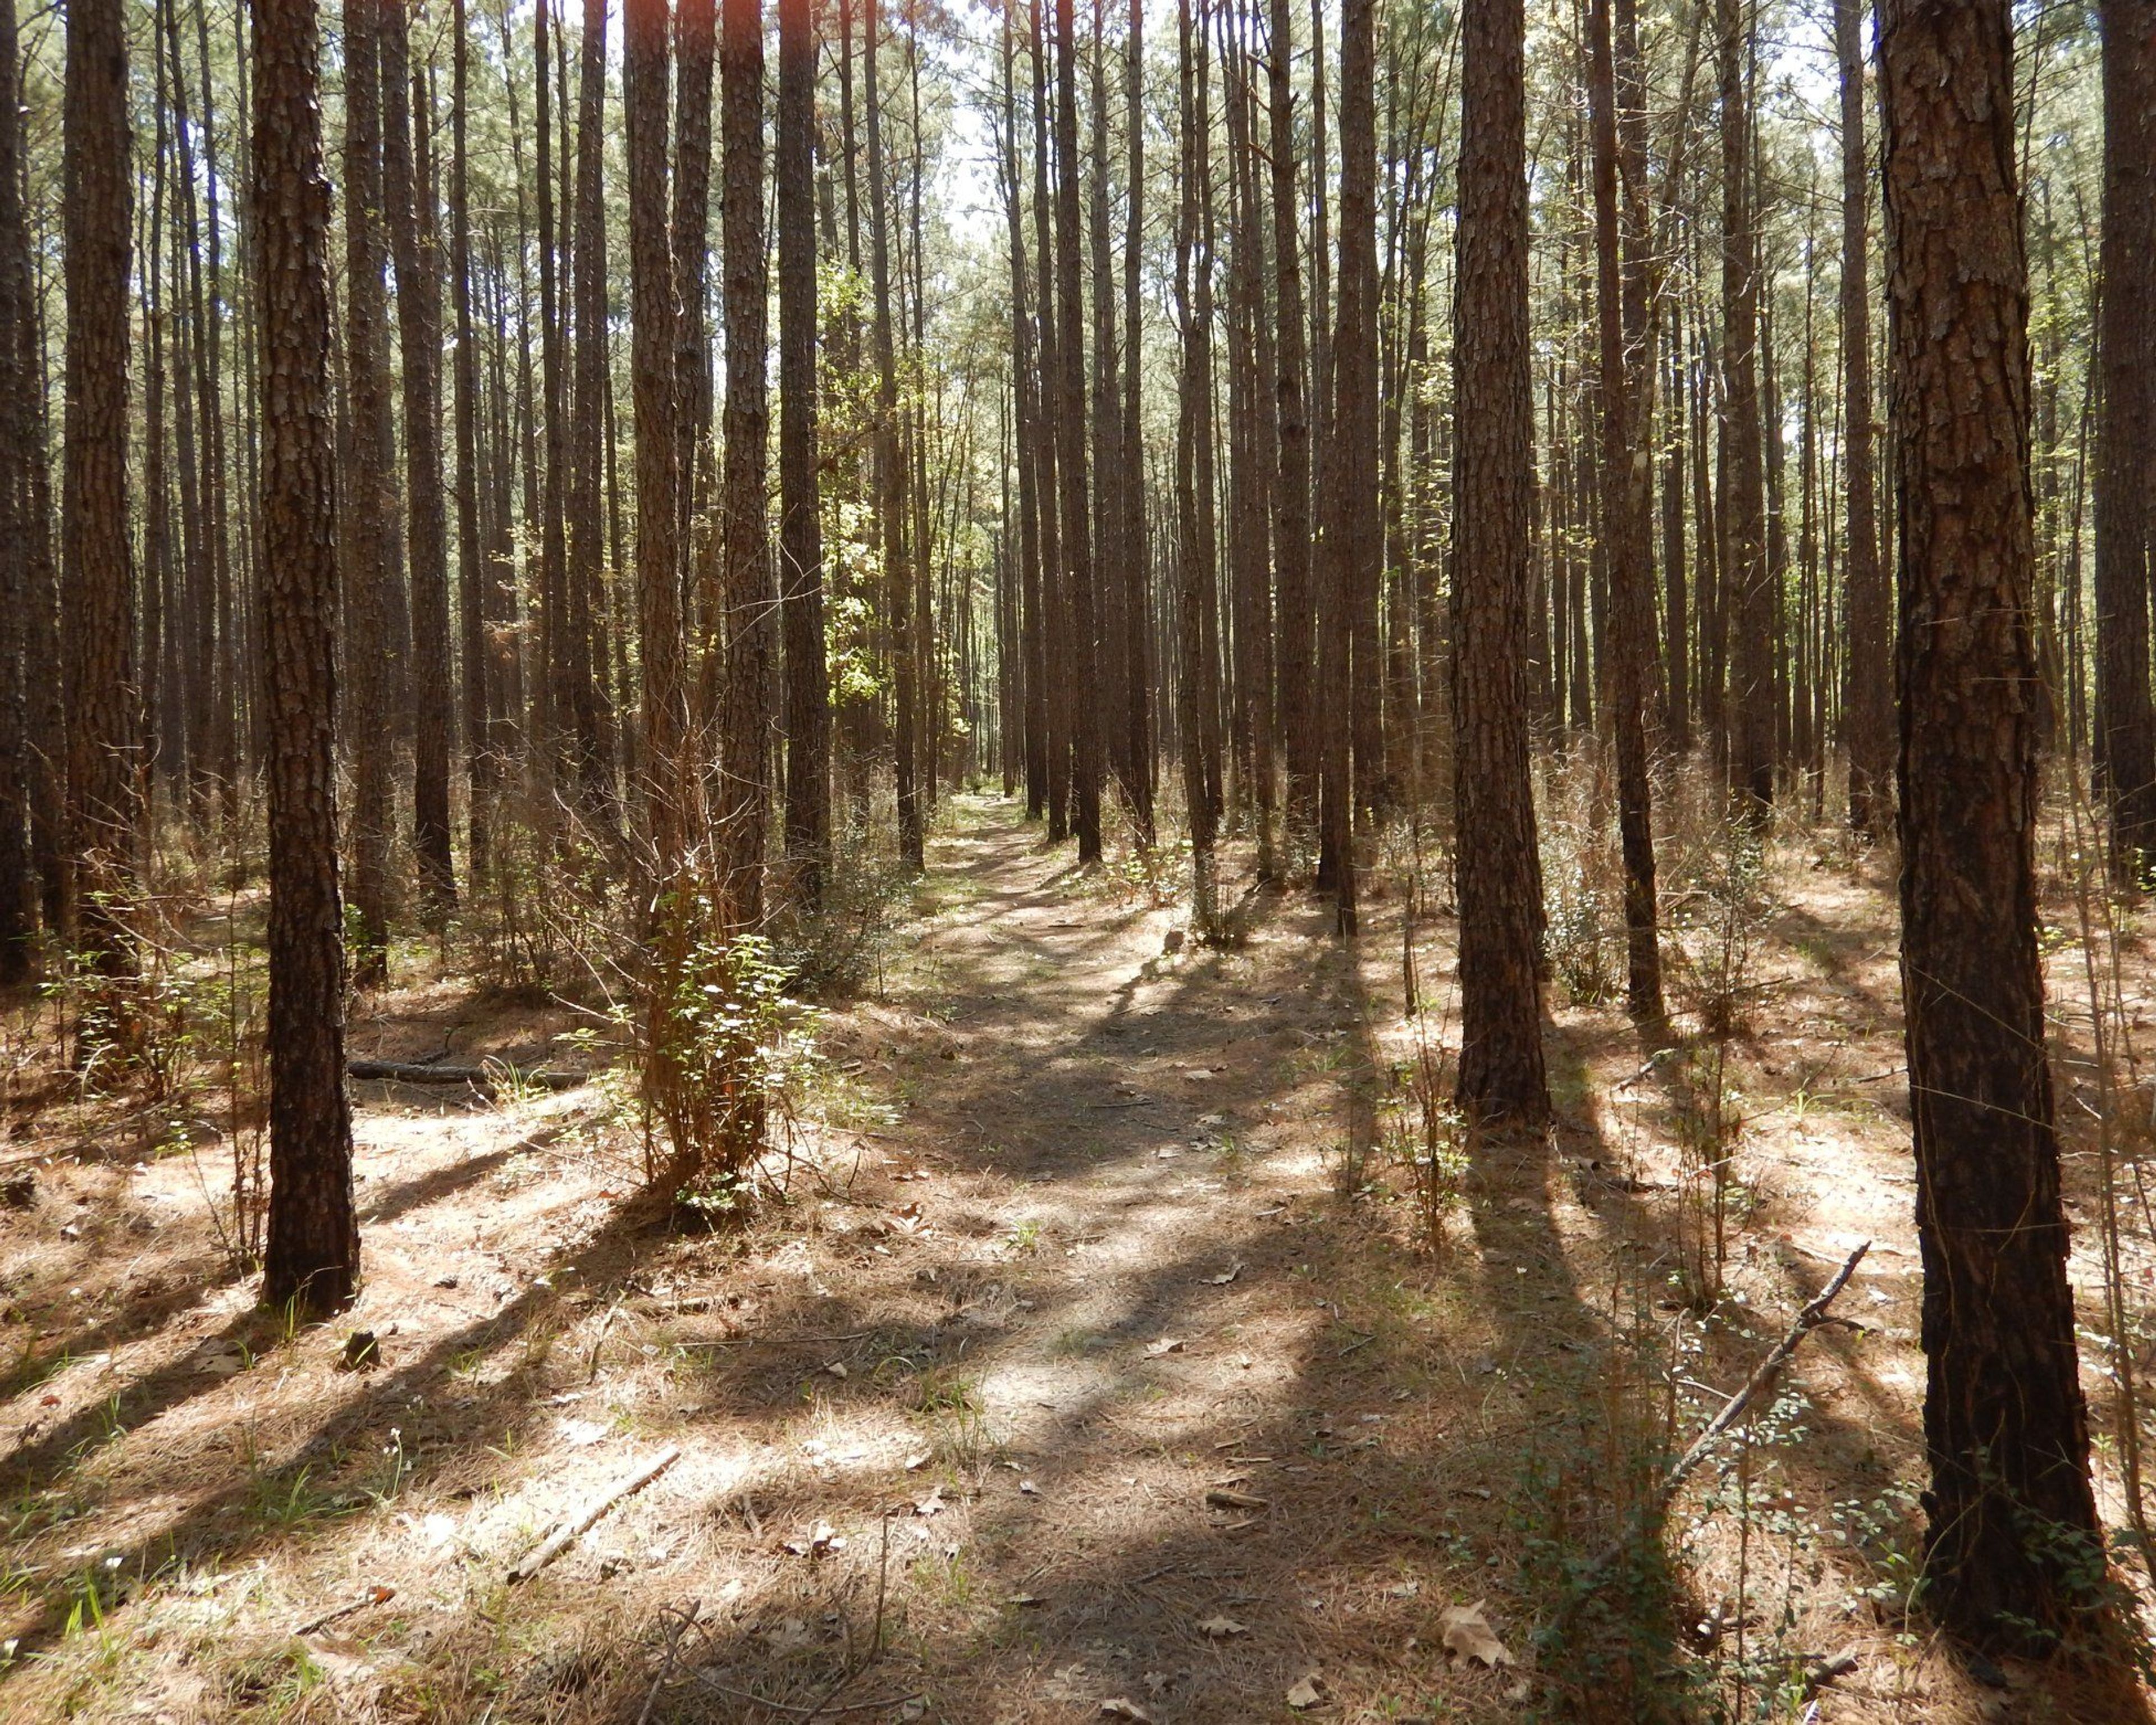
(1098, 1360)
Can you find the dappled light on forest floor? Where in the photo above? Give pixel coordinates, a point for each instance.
(1092, 1352)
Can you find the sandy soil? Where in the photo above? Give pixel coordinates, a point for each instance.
(1096, 1361)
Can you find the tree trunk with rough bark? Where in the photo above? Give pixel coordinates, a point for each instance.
(800, 526)
(1868, 681)
(2013, 1545)
(97, 560)
(1497, 867)
(313, 1261)
(2125, 731)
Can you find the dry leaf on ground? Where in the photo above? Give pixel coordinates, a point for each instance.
(1119, 1707)
(1220, 1628)
(1467, 1635)
(1308, 1692)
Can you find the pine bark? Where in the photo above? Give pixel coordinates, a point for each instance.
(482, 770)
(19, 906)
(1868, 685)
(1298, 620)
(744, 794)
(312, 1261)
(800, 526)
(1625, 368)
(1497, 868)
(1198, 689)
(2013, 1537)
(415, 249)
(1071, 462)
(1747, 596)
(1137, 657)
(2125, 732)
(97, 564)
(1351, 551)
(584, 594)
(652, 377)
(368, 513)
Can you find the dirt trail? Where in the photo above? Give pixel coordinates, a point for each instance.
(1094, 1354)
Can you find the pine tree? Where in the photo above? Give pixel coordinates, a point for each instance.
(313, 1261)
(2013, 1535)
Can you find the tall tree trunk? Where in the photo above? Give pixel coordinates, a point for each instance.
(744, 794)
(1867, 609)
(1054, 642)
(368, 513)
(2013, 1546)
(1030, 430)
(694, 27)
(1138, 689)
(652, 284)
(1625, 367)
(800, 527)
(408, 197)
(1351, 549)
(891, 486)
(1291, 494)
(1497, 868)
(1747, 597)
(1197, 714)
(1071, 451)
(97, 563)
(312, 1261)
(19, 906)
(582, 592)
(553, 703)
(482, 769)
(2125, 733)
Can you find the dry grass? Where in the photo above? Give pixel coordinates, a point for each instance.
(1044, 1148)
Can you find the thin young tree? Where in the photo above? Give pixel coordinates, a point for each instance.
(1497, 868)
(1868, 665)
(97, 558)
(312, 1260)
(800, 528)
(2013, 1539)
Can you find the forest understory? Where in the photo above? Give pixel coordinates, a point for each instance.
(1109, 1338)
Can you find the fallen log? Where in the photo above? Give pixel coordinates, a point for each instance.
(484, 1077)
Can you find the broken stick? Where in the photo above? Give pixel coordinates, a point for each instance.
(1658, 1502)
(566, 1535)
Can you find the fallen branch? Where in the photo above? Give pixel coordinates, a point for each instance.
(1658, 1502)
(563, 1537)
(478, 1077)
(1810, 1319)
(373, 1596)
